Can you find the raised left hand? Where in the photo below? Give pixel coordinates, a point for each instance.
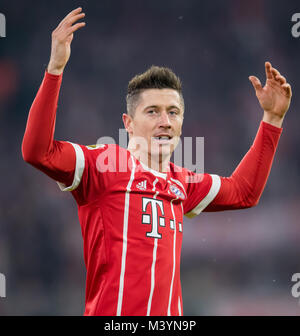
(275, 96)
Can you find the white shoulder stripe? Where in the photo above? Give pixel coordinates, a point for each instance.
(214, 189)
(79, 168)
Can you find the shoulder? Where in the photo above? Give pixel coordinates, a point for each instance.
(108, 149)
(185, 175)
(105, 157)
(99, 147)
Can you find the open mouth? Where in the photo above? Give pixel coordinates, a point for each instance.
(163, 139)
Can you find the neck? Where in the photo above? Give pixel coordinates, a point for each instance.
(157, 162)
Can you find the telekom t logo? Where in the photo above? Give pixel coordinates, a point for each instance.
(154, 205)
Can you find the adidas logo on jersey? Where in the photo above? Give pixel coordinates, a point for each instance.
(142, 185)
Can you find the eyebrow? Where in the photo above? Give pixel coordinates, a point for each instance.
(157, 106)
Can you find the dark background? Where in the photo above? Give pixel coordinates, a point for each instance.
(233, 263)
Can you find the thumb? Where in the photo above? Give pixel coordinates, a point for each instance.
(256, 83)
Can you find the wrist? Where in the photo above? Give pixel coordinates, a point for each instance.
(273, 119)
(54, 70)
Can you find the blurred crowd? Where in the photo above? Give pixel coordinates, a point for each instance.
(234, 262)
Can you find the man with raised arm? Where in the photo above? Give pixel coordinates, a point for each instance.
(131, 202)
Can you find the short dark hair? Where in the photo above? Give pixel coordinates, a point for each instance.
(154, 78)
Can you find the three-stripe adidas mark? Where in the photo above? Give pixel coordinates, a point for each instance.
(142, 185)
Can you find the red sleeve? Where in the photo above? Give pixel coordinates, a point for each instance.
(244, 187)
(198, 191)
(57, 159)
(89, 180)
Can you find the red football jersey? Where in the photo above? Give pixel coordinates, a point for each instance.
(131, 218)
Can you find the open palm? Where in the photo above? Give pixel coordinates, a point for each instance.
(275, 96)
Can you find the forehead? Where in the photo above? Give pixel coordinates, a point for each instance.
(159, 97)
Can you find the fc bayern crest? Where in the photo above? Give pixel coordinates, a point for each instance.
(174, 190)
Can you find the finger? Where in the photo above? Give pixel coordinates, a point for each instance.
(280, 79)
(75, 18)
(268, 68)
(74, 12)
(275, 72)
(287, 89)
(256, 83)
(75, 27)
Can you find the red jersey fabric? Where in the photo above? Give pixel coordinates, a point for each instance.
(132, 216)
(132, 225)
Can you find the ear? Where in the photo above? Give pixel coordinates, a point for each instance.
(127, 121)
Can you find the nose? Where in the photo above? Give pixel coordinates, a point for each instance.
(164, 120)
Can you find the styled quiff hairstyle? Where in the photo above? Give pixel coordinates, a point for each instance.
(154, 78)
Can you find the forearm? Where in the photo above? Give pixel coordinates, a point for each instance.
(254, 169)
(39, 133)
(57, 159)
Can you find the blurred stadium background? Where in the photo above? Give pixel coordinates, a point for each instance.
(233, 263)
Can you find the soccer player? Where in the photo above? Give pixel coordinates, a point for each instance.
(131, 202)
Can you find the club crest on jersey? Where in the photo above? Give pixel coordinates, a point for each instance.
(91, 147)
(174, 190)
(142, 185)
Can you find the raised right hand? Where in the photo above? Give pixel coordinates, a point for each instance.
(62, 37)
